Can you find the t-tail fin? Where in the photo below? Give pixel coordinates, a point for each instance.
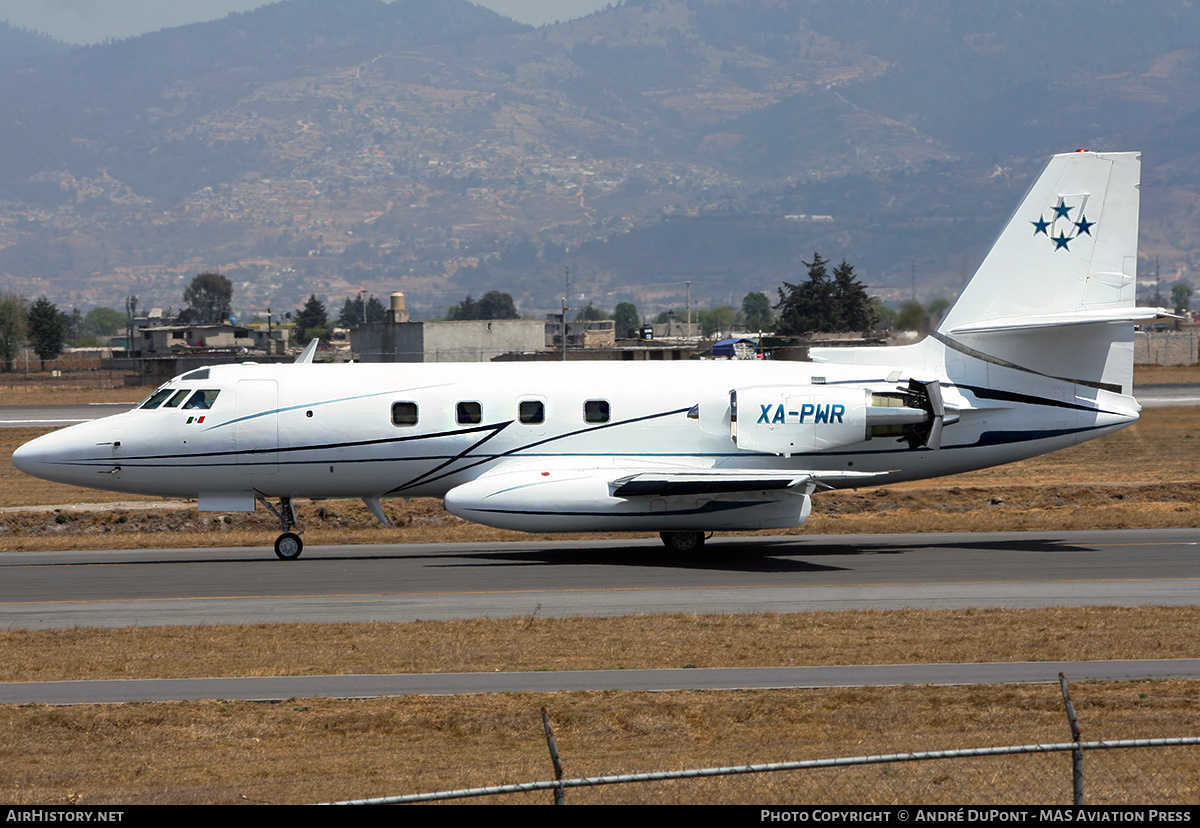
(1055, 296)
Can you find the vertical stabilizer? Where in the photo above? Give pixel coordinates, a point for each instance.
(1055, 296)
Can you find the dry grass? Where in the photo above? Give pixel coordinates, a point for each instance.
(625, 643)
(310, 750)
(325, 749)
(77, 391)
(1163, 374)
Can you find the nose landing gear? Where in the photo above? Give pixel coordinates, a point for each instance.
(288, 546)
(683, 542)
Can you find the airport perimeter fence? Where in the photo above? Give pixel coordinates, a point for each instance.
(1127, 772)
(19, 383)
(1119, 772)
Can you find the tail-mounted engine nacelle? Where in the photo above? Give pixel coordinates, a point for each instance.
(810, 418)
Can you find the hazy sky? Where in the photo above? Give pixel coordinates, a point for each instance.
(87, 21)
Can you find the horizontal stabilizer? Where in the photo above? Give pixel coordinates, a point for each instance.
(1102, 316)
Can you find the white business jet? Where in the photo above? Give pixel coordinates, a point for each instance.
(1036, 355)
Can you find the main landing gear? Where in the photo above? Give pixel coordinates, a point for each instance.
(683, 542)
(288, 546)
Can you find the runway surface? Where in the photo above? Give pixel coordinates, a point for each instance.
(275, 688)
(1158, 396)
(733, 575)
(440, 581)
(53, 416)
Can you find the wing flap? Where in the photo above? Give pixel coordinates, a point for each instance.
(718, 482)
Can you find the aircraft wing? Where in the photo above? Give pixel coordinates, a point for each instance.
(657, 499)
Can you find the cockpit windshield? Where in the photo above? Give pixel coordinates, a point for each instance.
(174, 398)
(177, 398)
(156, 399)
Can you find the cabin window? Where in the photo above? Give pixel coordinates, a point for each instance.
(156, 399)
(404, 413)
(469, 413)
(177, 398)
(531, 412)
(595, 411)
(201, 400)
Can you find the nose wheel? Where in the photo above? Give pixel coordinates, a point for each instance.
(288, 546)
(683, 542)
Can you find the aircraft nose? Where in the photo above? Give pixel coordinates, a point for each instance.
(55, 456)
(29, 457)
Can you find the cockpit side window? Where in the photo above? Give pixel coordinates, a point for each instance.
(177, 398)
(202, 399)
(156, 399)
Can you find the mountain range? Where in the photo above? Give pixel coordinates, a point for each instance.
(435, 147)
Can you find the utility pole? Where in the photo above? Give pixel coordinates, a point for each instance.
(689, 309)
(566, 296)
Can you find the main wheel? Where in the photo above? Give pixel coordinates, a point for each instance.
(683, 542)
(288, 546)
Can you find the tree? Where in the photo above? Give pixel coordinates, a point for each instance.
(103, 322)
(626, 318)
(807, 307)
(14, 319)
(756, 308)
(1181, 297)
(716, 319)
(208, 298)
(937, 309)
(822, 303)
(590, 314)
(75, 331)
(352, 312)
(497, 305)
(311, 321)
(885, 315)
(911, 317)
(852, 307)
(47, 329)
(462, 311)
(493, 305)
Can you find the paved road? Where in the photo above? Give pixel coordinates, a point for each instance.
(399, 583)
(438, 581)
(406, 582)
(274, 688)
(54, 416)
(1157, 396)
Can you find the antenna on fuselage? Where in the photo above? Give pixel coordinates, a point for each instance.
(308, 353)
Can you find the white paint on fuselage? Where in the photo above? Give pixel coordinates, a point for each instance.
(336, 437)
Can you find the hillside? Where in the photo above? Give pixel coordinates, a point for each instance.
(436, 147)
